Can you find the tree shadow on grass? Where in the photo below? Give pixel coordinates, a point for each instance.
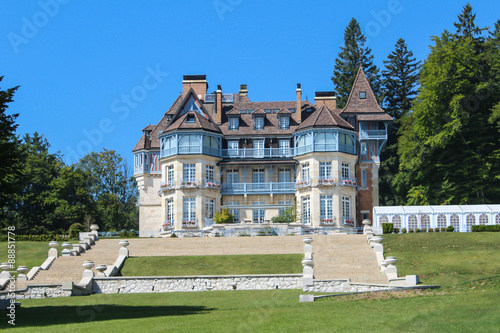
(60, 315)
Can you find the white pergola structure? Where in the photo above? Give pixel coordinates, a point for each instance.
(461, 217)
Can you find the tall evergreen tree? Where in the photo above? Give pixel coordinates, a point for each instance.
(10, 154)
(347, 64)
(448, 149)
(400, 80)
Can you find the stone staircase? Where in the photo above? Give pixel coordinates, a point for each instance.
(335, 256)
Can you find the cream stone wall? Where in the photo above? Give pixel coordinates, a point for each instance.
(150, 219)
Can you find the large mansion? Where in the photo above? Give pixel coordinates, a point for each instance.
(214, 150)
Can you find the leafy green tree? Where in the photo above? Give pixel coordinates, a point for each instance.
(400, 81)
(289, 215)
(10, 154)
(113, 190)
(224, 216)
(347, 64)
(448, 148)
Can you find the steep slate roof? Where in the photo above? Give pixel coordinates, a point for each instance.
(324, 117)
(368, 106)
(271, 121)
(179, 122)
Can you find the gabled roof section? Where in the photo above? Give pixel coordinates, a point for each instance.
(191, 105)
(233, 112)
(355, 104)
(324, 117)
(258, 112)
(283, 111)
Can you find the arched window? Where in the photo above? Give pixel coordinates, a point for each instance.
(470, 220)
(396, 221)
(425, 221)
(483, 219)
(441, 221)
(189, 144)
(412, 221)
(210, 145)
(325, 142)
(384, 219)
(304, 144)
(346, 143)
(497, 219)
(455, 221)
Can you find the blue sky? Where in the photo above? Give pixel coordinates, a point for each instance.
(94, 73)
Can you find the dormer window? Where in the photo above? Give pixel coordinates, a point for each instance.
(362, 95)
(190, 118)
(234, 123)
(258, 123)
(285, 122)
(169, 117)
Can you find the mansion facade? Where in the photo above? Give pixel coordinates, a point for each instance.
(217, 150)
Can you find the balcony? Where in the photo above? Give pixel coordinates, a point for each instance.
(260, 188)
(189, 183)
(165, 186)
(348, 221)
(302, 183)
(189, 224)
(349, 182)
(326, 181)
(258, 153)
(212, 184)
(372, 134)
(327, 221)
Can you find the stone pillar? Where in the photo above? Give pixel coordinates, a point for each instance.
(5, 267)
(88, 272)
(377, 248)
(66, 252)
(367, 229)
(308, 262)
(22, 273)
(53, 249)
(94, 228)
(391, 270)
(123, 250)
(100, 269)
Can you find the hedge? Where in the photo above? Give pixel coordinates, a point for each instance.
(36, 238)
(481, 228)
(387, 228)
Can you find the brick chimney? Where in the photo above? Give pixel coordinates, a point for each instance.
(243, 90)
(326, 97)
(197, 82)
(297, 116)
(218, 105)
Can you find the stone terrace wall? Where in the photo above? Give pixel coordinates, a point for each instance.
(113, 285)
(345, 286)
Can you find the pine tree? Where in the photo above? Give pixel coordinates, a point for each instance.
(347, 64)
(10, 154)
(400, 80)
(448, 149)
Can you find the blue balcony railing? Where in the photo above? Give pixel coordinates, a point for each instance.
(373, 134)
(258, 152)
(265, 188)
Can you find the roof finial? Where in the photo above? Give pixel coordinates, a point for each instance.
(359, 59)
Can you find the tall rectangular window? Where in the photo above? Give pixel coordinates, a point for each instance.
(170, 173)
(189, 209)
(363, 148)
(326, 207)
(284, 147)
(233, 123)
(210, 174)
(305, 171)
(189, 172)
(258, 213)
(284, 175)
(325, 170)
(234, 212)
(346, 207)
(210, 208)
(306, 210)
(258, 123)
(284, 122)
(232, 177)
(258, 146)
(170, 210)
(363, 178)
(346, 171)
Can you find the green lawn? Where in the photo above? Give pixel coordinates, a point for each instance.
(468, 301)
(446, 259)
(27, 253)
(213, 265)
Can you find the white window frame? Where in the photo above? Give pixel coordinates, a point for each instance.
(258, 146)
(189, 172)
(325, 170)
(306, 210)
(258, 213)
(258, 123)
(284, 122)
(346, 207)
(305, 171)
(210, 173)
(234, 123)
(170, 210)
(189, 209)
(326, 206)
(210, 208)
(234, 212)
(346, 170)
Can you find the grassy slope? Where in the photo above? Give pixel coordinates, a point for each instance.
(213, 265)
(27, 253)
(463, 305)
